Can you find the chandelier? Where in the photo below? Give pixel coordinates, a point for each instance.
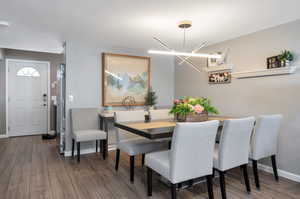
(184, 57)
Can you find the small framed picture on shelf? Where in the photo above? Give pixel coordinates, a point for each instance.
(273, 62)
(219, 77)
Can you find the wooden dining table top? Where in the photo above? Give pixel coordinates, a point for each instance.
(157, 129)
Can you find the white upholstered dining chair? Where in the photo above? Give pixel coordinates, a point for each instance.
(190, 157)
(136, 145)
(233, 150)
(161, 114)
(85, 127)
(264, 141)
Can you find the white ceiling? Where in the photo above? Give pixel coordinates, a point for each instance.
(43, 25)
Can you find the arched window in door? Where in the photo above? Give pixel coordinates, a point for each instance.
(28, 72)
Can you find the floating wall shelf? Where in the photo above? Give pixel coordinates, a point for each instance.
(265, 72)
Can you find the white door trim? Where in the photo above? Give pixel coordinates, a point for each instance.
(48, 90)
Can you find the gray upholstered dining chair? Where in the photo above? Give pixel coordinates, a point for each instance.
(233, 150)
(135, 145)
(85, 127)
(190, 157)
(264, 141)
(161, 114)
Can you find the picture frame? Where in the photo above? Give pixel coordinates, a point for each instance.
(124, 77)
(218, 64)
(273, 62)
(223, 77)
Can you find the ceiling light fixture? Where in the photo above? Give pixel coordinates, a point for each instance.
(184, 56)
(4, 24)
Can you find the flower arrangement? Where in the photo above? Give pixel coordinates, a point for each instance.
(192, 106)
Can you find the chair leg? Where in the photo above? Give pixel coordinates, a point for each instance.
(191, 183)
(209, 187)
(78, 151)
(96, 146)
(117, 159)
(213, 173)
(169, 144)
(246, 178)
(255, 173)
(143, 159)
(104, 149)
(132, 169)
(222, 184)
(173, 191)
(274, 165)
(73, 147)
(101, 146)
(149, 180)
(179, 185)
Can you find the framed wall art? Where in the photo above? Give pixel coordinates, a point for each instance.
(273, 62)
(124, 77)
(218, 64)
(219, 78)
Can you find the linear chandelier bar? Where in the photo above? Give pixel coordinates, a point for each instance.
(183, 54)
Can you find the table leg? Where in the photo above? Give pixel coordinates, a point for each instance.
(105, 124)
(101, 122)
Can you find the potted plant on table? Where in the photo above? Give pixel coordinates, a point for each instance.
(190, 109)
(285, 58)
(150, 99)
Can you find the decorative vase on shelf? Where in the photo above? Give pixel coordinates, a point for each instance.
(284, 63)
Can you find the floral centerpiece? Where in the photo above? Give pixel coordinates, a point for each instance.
(192, 109)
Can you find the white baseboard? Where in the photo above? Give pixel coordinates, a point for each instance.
(87, 151)
(3, 136)
(281, 173)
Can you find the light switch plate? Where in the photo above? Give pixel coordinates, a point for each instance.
(71, 98)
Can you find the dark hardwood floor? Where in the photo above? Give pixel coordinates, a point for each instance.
(31, 168)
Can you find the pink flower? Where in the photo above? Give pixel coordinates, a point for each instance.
(176, 101)
(198, 108)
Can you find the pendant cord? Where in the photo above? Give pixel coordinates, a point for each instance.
(184, 40)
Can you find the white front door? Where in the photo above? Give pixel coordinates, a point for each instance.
(27, 97)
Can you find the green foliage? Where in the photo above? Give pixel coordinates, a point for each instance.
(286, 56)
(181, 109)
(186, 105)
(151, 98)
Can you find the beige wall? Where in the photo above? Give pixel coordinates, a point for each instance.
(255, 96)
(54, 59)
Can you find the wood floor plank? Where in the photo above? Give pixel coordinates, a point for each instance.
(31, 168)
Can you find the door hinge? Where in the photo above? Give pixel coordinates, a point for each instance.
(8, 128)
(8, 99)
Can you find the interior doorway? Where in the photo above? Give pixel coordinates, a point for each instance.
(28, 97)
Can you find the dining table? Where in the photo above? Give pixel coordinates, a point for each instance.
(158, 129)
